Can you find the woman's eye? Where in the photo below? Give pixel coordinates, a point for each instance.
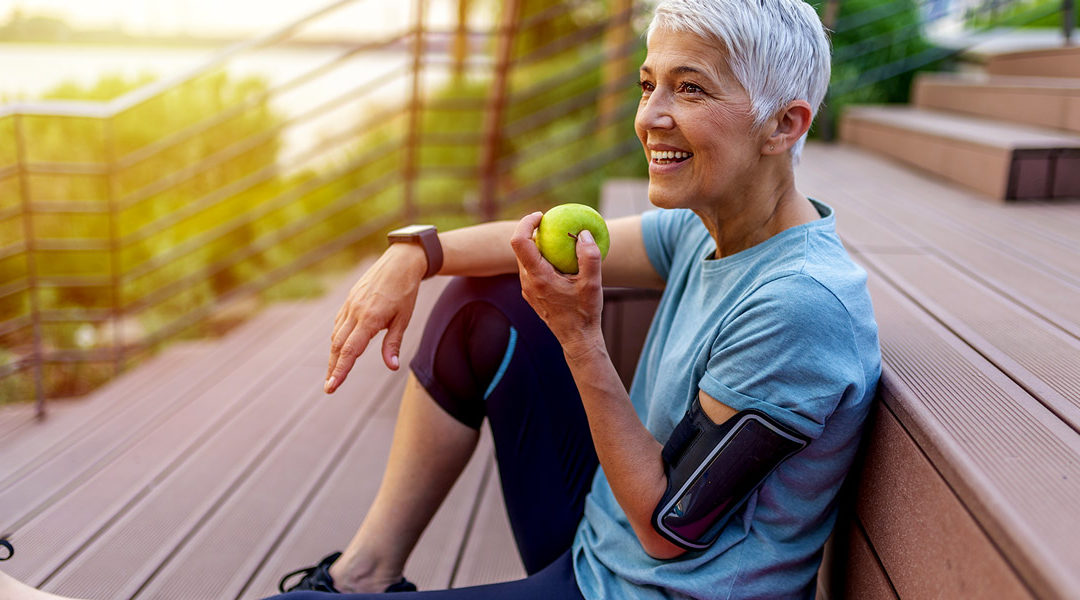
(646, 86)
(690, 88)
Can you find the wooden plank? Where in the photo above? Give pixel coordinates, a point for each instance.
(15, 416)
(927, 541)
(219, 554)
(58, 524)
(1050, 62)
(117, 562)
(491, 554)
(1041, 101)
(1038, 356)
(939, 219)
(1019, 224)
(329, 515)
(334, 514)
(233, 542)
(867, 579)
(624, 198)
(1012, 463)
(133, 522)
(1001, 160)
(75, 446)
(966, 130)
(126, 405)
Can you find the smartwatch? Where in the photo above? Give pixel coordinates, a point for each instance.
(428, 238)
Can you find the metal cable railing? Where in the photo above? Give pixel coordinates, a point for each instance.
(115, 245)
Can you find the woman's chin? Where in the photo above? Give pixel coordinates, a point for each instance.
(662, 196)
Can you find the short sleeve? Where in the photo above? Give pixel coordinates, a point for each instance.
(661, 230)
(789, 350)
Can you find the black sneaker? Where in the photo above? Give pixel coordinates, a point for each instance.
(318, 579)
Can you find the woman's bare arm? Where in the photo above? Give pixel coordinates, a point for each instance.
(385, 295)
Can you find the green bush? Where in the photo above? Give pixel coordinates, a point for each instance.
(1031, 14)
(878, 48)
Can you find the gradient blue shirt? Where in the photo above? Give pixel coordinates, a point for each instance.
(785, 327)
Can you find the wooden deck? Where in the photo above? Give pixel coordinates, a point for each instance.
(218, 466)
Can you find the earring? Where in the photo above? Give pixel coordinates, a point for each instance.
(771, 147)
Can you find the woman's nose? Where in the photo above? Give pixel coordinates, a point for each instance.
(655, 113)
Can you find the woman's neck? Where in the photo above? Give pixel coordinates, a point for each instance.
(756, 215)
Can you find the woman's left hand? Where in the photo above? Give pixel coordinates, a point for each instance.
(569, 304)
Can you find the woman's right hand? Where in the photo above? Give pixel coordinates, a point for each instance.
(383, 298)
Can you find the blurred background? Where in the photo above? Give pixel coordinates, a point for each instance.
(168, 167)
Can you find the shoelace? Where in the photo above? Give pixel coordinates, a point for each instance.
(305, 571)
(10, 550)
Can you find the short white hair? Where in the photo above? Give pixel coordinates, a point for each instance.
(778, 49)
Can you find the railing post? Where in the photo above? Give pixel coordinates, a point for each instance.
(616, 39)
(36, 358)
(1068, 19)
(826, 116)
(493, 113)
(116, 301)
(412, 135)
(461, 39)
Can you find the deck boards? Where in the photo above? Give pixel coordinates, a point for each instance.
(217, 466)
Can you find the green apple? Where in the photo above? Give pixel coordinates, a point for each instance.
(556, 237)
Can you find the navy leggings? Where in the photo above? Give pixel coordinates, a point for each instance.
(485, 353)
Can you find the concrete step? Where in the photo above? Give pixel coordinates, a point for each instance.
(1052, 102)
(1004, 161)
(1051, 62)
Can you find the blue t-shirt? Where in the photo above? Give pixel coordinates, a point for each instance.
(785, 327)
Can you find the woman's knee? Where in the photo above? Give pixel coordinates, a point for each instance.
(465, 345)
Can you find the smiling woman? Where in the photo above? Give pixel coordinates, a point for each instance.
(719, 470)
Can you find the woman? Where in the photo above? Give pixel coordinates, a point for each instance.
(762, 310)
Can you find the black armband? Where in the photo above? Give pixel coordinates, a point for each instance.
(712, 469)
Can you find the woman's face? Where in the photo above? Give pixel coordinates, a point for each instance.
(695, 123)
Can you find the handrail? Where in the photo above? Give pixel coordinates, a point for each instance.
(149, 92)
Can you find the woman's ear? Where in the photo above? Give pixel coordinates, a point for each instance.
(791, 123)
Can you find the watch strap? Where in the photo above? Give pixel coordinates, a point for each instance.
(428, 239)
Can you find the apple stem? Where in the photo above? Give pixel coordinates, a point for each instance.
(571, 235)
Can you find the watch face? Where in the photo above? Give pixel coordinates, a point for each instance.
(411, 230)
